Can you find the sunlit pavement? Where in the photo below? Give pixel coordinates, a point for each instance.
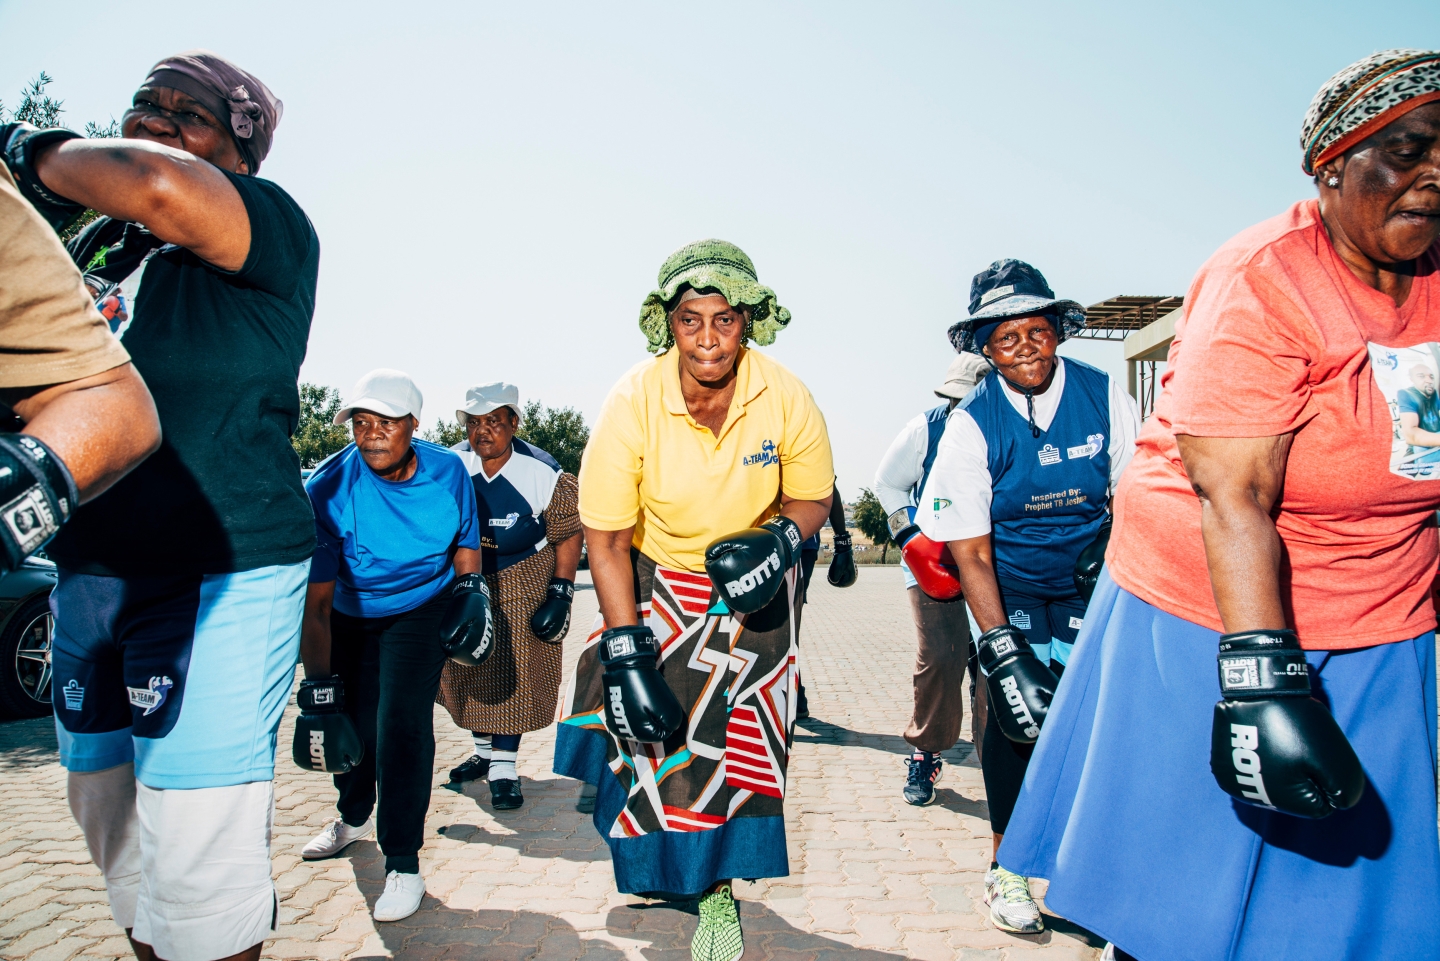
(871, 877)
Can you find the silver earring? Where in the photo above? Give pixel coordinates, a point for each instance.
(1333, 182)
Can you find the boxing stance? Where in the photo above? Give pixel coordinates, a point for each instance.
(941, 625)
(395, 588)
(530, 539)
(1245, 749)
(708, 468)
(181, 587)
(1018, 490)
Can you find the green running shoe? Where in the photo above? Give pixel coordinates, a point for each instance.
(1011, 906)
(717, 936)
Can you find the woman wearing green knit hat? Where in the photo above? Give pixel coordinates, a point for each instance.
(708, 467)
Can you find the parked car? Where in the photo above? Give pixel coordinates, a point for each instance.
(26, 631)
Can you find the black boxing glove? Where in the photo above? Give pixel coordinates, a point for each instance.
(467, 631)
(1091, 560)
(37, 493)
(639, 705)
(842, 571)
(19, 145)
(1272, 744)
(552, 618)
(1020, 688)
(748, 567)
(325, 738)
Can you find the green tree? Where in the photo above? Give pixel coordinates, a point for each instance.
(39, 108)
(559, 431)
(447, 433)
(317, 436)
(870, 520)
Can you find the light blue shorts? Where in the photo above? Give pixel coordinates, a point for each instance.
(187, 676)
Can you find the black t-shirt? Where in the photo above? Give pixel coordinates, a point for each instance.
(221, 353)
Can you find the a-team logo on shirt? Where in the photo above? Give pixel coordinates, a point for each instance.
(507, 522)
(1049, 454)
(150, 698)
(765, 457)
(1092, 446)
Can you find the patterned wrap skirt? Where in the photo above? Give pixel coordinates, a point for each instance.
(1119, 809)
(709, 803)
(515, 690)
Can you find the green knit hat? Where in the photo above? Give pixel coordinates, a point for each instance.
(711, 265)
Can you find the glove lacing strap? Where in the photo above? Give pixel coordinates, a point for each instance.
(998, 645)
(1262, 664)
(622, 644)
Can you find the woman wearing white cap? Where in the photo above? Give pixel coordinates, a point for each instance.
(530, 527)
(396, 523)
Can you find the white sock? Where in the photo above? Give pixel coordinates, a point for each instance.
(482, 745)
(502, 766)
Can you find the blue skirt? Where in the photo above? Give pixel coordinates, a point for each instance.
(1120, 812)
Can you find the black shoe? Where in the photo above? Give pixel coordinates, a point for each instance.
(925, 772)
(585, 804)
(472, 770)
(802, 704)
(505, 795)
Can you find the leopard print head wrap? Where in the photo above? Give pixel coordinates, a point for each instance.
(1364, 97)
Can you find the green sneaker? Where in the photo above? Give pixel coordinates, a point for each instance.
(1011, 906)
(717, 936)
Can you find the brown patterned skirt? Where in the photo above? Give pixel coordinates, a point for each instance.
(515, 690)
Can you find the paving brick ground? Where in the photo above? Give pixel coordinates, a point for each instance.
(871, 877)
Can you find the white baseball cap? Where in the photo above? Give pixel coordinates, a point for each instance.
(485, 398)
(389, 393)
(964, 373)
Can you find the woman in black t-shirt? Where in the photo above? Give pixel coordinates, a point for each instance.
(181, 589)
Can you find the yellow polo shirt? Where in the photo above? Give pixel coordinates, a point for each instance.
(649, 464)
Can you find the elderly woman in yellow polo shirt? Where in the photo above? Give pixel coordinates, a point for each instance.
(708, 456)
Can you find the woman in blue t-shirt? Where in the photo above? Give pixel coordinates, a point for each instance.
(396, 524)
(1020, 487)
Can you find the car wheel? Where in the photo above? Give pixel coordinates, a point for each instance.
(25, 660)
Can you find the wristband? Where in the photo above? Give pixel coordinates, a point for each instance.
(560, 587)
(323, 695)
(901, 526)
(998, 645)
(622, 644)
(789, 532)
(1262, 664)
(842, 542)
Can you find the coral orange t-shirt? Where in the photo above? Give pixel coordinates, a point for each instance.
(1278, 336)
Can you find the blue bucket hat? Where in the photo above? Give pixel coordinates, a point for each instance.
(1008, 289)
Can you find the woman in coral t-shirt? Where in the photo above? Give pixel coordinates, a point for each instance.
(1279, 514)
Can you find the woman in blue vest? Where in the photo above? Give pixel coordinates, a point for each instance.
(530, 545)
(1020, 486)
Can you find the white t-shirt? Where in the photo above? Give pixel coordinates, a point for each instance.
(961, 472)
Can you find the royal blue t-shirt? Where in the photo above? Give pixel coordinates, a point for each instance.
(388, 545)
(1422, 405)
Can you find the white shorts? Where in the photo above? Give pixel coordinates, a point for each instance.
(188, 870)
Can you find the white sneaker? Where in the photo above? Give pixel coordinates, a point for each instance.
(402, 897)
(1011, 906)
(335, 838)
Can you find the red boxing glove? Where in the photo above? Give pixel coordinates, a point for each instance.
(930, 563)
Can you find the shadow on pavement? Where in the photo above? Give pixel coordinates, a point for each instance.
(436, 931)
(953, 800)
(669, 926)
(28, 744)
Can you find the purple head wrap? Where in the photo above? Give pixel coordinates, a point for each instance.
(231, 94)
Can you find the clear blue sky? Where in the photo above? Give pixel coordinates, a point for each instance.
(495, 185)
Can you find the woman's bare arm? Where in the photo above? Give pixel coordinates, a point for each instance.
(809, 516)
(610, 570)
(180, 198)
(1239, 481)
(975, 558)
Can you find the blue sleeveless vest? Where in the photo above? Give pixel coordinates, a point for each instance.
(513, 528)
(1049, 491)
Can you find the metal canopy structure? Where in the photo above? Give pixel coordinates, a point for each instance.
(1118, 317)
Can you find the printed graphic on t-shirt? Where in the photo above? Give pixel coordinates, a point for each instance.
(1407, 378)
